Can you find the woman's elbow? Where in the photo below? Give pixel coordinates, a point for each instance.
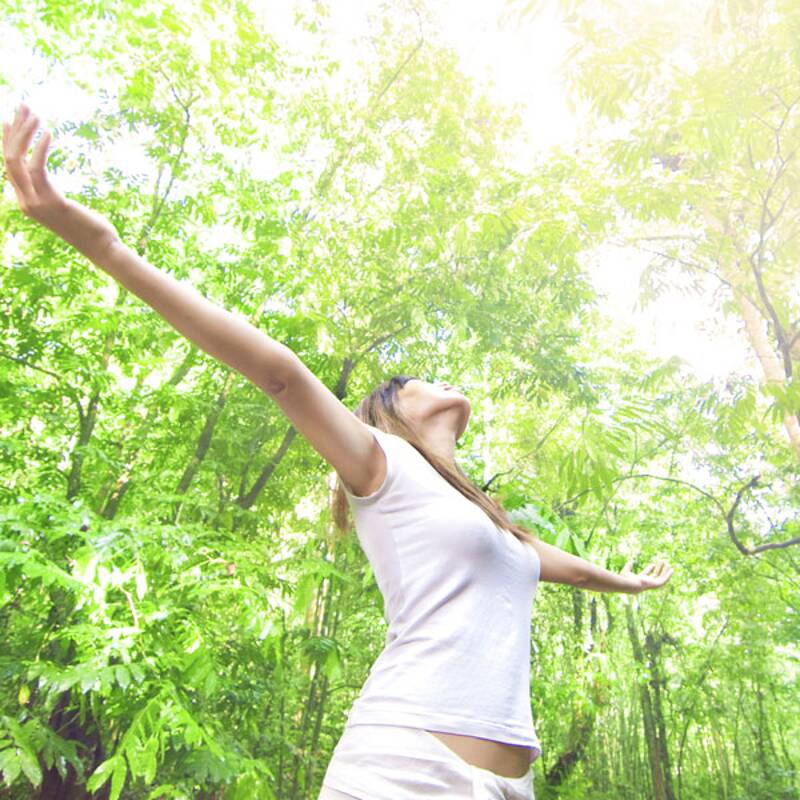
(276, 368)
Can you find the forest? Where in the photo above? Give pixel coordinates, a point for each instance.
(179, 617)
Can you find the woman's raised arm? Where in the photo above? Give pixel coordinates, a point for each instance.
(332, 429)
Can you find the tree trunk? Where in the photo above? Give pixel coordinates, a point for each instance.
(116, 490)
(659, 769)
(653, 648)
(583, 721)
(88, 419)
(203, 444)
(768, 358)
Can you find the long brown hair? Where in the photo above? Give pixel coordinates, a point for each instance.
(379, 409)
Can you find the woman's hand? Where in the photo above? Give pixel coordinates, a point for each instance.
(652, 577)
(40, 200)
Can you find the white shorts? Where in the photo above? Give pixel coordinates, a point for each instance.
(393, 762)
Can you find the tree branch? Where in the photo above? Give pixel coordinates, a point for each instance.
(727, 513)
(25, 363)
(750, 551)
(654, 477)
(537, 446)
(327, 176)
(158, 201)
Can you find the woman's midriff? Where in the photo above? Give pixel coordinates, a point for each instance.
(508, 760)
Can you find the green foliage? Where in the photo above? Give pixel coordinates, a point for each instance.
(177, 620)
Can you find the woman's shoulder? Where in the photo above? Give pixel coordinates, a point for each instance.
(394, 442)
(380, 433)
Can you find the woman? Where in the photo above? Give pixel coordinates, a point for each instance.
(445, 711)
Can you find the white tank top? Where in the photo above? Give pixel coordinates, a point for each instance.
(458, 594)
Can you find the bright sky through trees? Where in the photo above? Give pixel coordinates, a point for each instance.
(519, 63)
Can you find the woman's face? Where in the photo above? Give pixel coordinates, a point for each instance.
(422, 403)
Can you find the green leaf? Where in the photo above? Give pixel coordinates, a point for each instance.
(118, 779)
(123, 676)
(332, 664)
(30, 766)
(10, 765)
(24, 751)
(102, 773)
(141, 581)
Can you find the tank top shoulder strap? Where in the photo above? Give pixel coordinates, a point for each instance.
(388, 443)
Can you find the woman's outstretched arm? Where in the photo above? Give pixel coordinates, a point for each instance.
(220, 333)
(560, 567)
(331, 428)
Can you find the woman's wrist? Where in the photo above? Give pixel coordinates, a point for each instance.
(599, 579)
(626, 584)
(633, 584)
(87, 231)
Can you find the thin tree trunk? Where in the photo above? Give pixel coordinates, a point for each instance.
(202, 446)
(249, 498)
(755, 325)
(657, 770)
(246, 499)
(88, 418)
(653, 648)
(310, 710)
(117, 489)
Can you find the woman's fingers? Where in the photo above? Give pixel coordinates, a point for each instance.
(664, 573)
(38, 170)
(19, 118)
(6, 138)
(16, 144)
(655, 574)
(22, 112)
(29, 178)
(27, 130)
(22, 135)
